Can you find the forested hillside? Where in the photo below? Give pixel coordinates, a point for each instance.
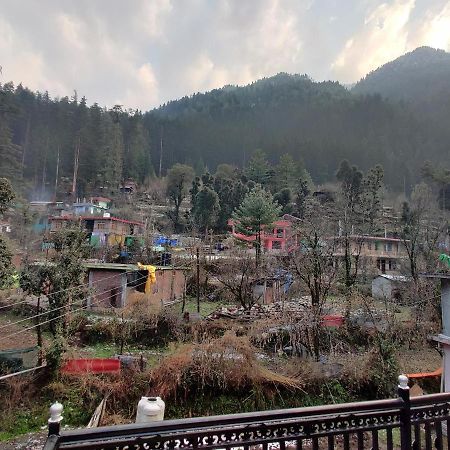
(37, 131)
(317, 123)
(421, 79)
(321, 123)
(418, 76)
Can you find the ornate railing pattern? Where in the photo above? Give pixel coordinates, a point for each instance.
(403, 423)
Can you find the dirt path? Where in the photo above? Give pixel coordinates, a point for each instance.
(29, 441)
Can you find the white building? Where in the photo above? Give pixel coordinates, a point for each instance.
(389, 286)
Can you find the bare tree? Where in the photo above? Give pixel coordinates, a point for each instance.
(422, 226)
(238, 276)
(315, 267)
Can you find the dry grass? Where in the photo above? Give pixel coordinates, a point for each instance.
(226, 364)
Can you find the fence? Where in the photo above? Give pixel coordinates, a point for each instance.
(402, 423)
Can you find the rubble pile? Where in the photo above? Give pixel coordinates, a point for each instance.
(257, 311)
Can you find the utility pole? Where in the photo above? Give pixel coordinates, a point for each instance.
(75, 168)
(198, 280)
(44, 170)
(57, 174)
(38, 330)
(161, 143)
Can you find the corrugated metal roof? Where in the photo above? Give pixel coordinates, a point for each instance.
(401, 278)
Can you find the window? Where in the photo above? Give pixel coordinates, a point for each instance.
(279, 232)
(101, 225)
(392, 264)
(276, 245)
(377, 245)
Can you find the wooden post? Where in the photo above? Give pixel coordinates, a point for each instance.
(198, 280)
(38, 330)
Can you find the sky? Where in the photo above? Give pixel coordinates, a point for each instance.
(142, 53)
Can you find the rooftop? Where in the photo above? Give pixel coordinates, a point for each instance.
(400, 278)
(75, 218)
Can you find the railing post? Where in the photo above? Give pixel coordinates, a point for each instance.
(405, 413)
(54, 423)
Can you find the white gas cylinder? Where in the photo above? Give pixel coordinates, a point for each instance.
(150, 409)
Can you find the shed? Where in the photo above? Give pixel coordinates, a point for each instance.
(111, 284)
(389, 286)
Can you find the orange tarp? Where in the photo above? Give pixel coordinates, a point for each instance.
(415, 376)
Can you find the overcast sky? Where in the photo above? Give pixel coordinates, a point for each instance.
(141, 53)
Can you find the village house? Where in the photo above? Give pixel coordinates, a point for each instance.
(383, 254)
(387, 286)
(87, 208)
(282, 238)
(102, 202)
(112, 285)
(128, 187)
(102, 230)
(5, 227)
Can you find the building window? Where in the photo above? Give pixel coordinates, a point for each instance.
(377, 245)
(101, 225)
(388, 247)
(276, 245)
(279, 232)
(392, 264)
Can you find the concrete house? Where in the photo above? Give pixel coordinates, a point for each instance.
(282, 238)
(88, 208)
(384, 254)
(102, 230)
(389, 286)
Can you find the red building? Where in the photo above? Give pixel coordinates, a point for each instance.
(283, 237)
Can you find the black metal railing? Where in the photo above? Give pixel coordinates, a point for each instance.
(402, 423)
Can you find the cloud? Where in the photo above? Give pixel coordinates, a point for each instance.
(382, 37)
(144, 53)
(435, 30)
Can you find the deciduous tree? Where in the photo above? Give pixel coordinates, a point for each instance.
(179, 178)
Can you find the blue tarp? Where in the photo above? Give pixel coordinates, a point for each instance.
(163, 240)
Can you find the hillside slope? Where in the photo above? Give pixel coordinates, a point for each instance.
(419, 76)
(321, 123)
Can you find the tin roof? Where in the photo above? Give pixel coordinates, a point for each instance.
(116, 219)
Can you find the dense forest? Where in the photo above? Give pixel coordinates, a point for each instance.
(318, 124)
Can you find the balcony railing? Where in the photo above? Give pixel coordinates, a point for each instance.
(402, 423)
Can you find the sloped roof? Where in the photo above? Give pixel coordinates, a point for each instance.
(400, 278)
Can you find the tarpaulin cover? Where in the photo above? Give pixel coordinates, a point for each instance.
(151, 279)
(94, 365)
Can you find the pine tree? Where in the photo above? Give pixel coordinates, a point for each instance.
(6, 270)
(256, 212)
(258, 169)
(206, 208)
(286, 172)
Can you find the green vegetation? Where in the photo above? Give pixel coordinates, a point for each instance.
(317, 124)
